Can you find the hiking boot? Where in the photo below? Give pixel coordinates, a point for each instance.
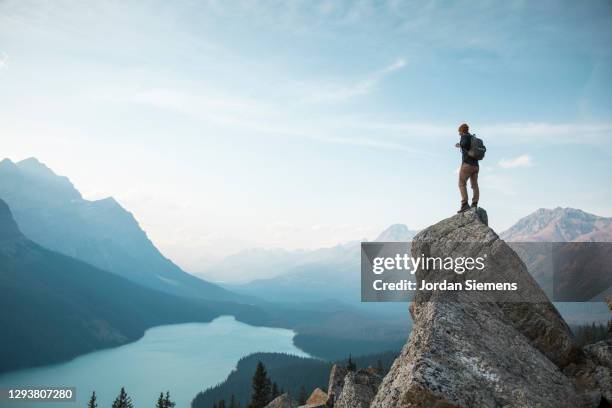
(464, 207)
(474, 205)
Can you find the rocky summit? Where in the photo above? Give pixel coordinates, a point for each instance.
(476, 350)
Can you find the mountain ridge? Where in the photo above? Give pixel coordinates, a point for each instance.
(52, 212)
(560, 225)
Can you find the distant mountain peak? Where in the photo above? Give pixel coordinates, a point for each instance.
(7, 163)
(8, 226)
(39, 178)
(35, 167)
(560, 225)
(396, 233)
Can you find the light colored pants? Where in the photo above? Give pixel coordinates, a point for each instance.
(467, 171)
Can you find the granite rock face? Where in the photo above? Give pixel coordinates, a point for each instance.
(282, 401)
(336, 382)
(527, 309)
(359, 389)
(592, 373)
(600, 352)
(317, 399)
(477, 349)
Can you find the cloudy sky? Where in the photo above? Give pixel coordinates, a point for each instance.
(230, 124)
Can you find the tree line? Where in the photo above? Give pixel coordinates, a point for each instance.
(123, 400)
(592, 333)
(264, 390)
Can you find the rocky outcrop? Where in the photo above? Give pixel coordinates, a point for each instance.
(318, 399)
(359, 389)
(347, 389)
(282, 401)
(592, 374)
(336, 382)
(527, 309)
(476, 349)
(600, 352)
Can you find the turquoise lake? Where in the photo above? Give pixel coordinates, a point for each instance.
(181, 358)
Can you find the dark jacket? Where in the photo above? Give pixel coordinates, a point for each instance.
(466, 141)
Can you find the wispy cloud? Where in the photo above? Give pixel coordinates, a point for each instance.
(271, 118)
(523, 160)
(337, 92)
(3, 60)
(553, 133)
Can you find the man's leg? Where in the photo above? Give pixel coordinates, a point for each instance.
(464, 174)
(474, 185)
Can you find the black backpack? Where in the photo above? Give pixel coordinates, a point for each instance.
(477, 148)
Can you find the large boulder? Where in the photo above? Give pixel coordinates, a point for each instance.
(600, 352)
(318, 399)
(358, 390)
(282, 401)
(528, 309)
(592, 373)
(480, 349)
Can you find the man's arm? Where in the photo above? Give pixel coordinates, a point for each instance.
(465, 142)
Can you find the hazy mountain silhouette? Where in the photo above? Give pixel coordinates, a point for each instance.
(296, 276)
(54, 307)
(271, 263)
(51, 211)
(396, 233)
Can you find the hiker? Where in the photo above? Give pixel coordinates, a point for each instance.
(472, 150)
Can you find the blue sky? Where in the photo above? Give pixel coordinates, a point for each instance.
(225, 124)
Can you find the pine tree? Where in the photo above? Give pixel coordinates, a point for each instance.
(275, 392)
(221, 404)
(261, 388)
(123, 400)
(232, 403)
(351, 366)
(160, 401)
(93, 401)
(168, 403)
(303, 396)
(215, 404)
(379, 367)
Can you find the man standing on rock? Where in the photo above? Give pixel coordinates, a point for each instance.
(468, 170)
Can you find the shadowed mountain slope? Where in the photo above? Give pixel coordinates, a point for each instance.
(54, 307)
(51, 212)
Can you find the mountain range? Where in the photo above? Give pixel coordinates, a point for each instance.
(51, 212)
(298, 276)
(530, 238)
(560, 225)
(97, 258)
(96, 280)
(308, 273)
